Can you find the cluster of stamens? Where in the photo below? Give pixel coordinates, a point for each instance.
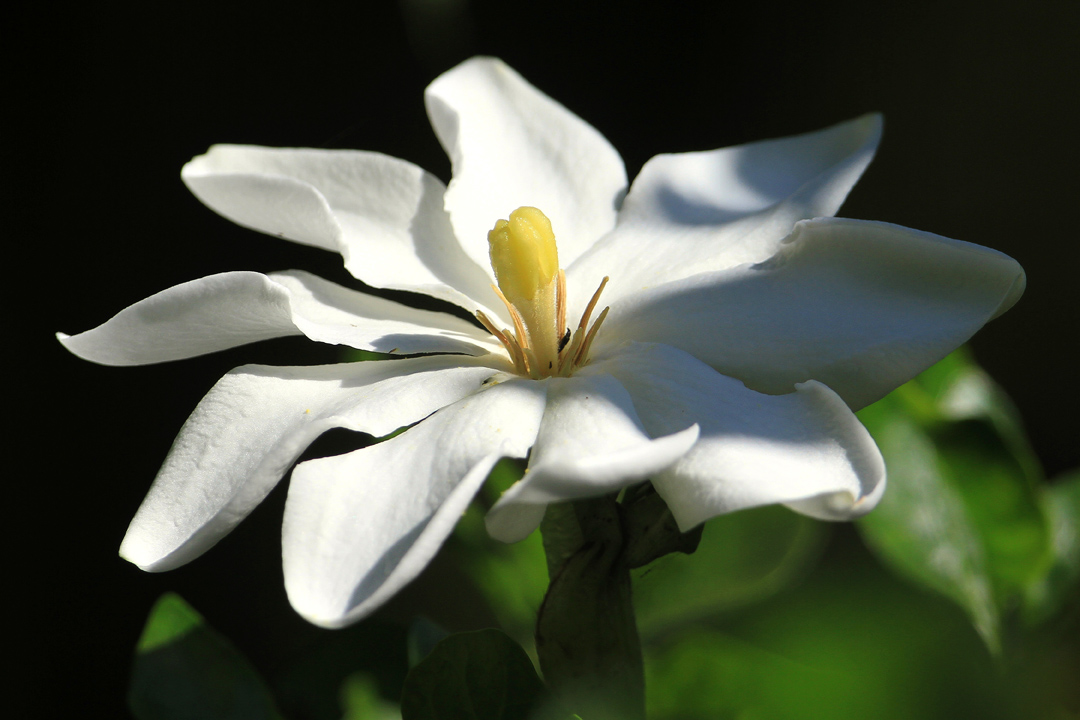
(533, 288)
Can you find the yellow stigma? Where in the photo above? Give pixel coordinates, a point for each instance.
(533, 288)
(523, 254)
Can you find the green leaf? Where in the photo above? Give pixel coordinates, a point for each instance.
(184, 670)
(360, 700)
(961, 390)
(423, 636)
(741, 559)
(586, 634)
(1061, 502)
(482, 675)
(310, 684)
(963, 512)
(921, 527)
(852, 643)
(649, 529)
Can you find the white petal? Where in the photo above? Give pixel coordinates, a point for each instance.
(590, 443)
(194, 318)
(384, 215)
(327, 312)
(701, 211)
(860, 306)
(813, 171)
(358, 527)
(511, 145)
(805, 449)
(253, 425)
(235, 308)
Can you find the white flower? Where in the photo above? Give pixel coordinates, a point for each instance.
(741, 336)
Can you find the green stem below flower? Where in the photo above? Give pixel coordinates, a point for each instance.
(586, 634)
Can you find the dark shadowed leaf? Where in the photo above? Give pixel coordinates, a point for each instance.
(482, 675)
(336, 669)
(185, 671)
(424, 635)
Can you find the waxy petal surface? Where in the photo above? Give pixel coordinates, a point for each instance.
(806, 448)
(590, 443)
(725, 207)
(230, 309)
(327, 312)
(860, 306)
(256, 421)
(358, 527)
(384, 215)
(510, 145)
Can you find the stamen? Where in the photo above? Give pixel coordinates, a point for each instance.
(592, 303)
(505, 337)
(531, 365)
(520, 361)
(583, 353)
(566, 359)
(532, 286)
(490, 326)
(519, 326)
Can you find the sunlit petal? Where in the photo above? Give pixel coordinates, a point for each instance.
(722, 208)
(384, 215)
(223, 311)
(860, 306)
(590, 443)
(805, 448)
(255, 422)
(511, 145)
(360, 526)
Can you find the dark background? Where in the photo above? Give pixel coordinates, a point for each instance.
(105, 104)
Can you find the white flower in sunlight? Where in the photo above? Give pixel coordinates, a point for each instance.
(743, 326)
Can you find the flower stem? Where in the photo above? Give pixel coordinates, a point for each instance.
(586, 634)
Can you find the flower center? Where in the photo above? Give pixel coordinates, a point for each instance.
(533, 287)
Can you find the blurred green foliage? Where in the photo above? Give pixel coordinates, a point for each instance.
(742, 558)
(513, 577)
(967, 512)
(360, 700)
(184, 670)
(961, 601)
(482, 675)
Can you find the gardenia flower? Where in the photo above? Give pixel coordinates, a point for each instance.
(711, 329)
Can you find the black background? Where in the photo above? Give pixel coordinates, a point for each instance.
(104, 105)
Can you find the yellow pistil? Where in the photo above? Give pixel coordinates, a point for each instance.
(533, 288)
